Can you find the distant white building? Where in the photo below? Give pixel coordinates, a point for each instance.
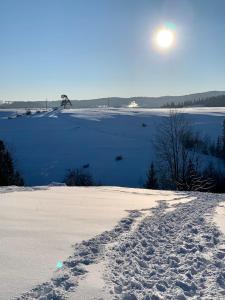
(132, 104)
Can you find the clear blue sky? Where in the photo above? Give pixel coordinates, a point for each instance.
(100, 48)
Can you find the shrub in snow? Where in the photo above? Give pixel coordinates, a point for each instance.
(173, 149)
(217, 178)
(28, 112)
(194, 181)
(151, 181)
(8, 176)
(86, 166)
(78, 177)
(119, 157)
(178, 150)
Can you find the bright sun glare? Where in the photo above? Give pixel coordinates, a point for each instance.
(164, 38)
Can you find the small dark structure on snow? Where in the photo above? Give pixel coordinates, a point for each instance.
(65, 101)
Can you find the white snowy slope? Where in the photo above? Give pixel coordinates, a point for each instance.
(130, 244)
(45, 145)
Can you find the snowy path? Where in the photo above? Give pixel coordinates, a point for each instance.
(172, 255)
(150, 255)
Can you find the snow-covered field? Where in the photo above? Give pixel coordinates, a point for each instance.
(129, 244)
(46, 145)
(38, 227)
(105, 243)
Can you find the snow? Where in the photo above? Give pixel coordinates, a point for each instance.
(128, 244)
(38, 227)
(219, 217)
(110, 243)
(171, 255)
(92, 286)
(47, 144)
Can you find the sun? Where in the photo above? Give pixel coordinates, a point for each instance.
(164, 38)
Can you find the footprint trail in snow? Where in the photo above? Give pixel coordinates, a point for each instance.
(178, 254)
(171, 255)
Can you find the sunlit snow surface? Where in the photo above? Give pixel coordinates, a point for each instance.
(45, 145)
(38, 227)
(130, 244)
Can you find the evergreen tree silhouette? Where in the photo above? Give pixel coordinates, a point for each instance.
(152, 181)
(8, 176)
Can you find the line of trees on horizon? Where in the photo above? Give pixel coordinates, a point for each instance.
(216, 101)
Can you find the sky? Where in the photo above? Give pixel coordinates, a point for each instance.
(103, 48)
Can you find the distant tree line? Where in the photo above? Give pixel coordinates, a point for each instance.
(216, 101)
(182, 159)
(8, 175)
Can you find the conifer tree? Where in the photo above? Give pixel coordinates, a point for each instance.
(152, 181)
(8, 176)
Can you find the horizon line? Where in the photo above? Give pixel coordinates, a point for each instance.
(117, 97)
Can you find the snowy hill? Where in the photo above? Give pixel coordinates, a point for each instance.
(131, 244)
(45, 145)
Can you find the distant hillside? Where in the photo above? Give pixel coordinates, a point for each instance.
(217, 101)
(144, 102)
